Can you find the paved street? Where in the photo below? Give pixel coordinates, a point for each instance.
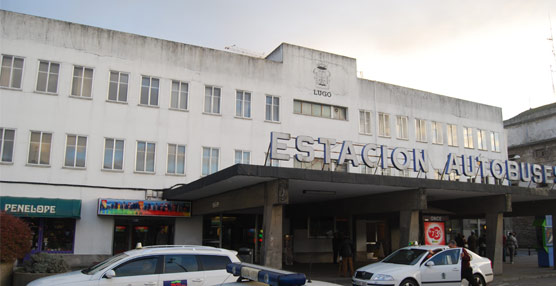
(551, 281)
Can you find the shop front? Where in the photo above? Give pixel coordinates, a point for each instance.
(146, 222)
(52, 221)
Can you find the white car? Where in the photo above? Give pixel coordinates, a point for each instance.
(411, 266)
(257, 275)
(154, 266)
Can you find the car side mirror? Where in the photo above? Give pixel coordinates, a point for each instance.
(429, 263)
(109, 274)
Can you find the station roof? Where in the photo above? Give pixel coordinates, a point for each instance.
(315, 185)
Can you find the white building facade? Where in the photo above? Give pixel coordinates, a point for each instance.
(90, 114)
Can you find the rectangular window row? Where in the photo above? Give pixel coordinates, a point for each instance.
(113, 157)
(319, 110)
(437, 133)
(11, 73)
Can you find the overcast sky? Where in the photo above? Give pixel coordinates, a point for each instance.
(493, 51)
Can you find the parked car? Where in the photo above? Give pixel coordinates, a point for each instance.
(153, 265)
(413, 266)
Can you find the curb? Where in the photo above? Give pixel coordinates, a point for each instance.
(529, 276)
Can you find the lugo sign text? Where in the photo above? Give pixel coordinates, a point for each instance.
(372, 156)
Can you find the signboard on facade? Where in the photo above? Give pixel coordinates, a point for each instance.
(41, 207)
(143, 208)
(434, 233)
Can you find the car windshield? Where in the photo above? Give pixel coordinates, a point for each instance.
(97, 267)
(405, 256)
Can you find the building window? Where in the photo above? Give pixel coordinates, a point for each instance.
(420, 130)
(272, 111)
(452, 134)
(365, 122)
(242, 157)
(243, 104)
(437, 137)
(149, 91)
(76, 151)
(117, 90)
(113, 154)
(144, 161)
(82, 81)
(401, 127)
(212, 99)
(179, 99)
(7, 137)
(210, 160)
(271, 163)
(383, 124)
(47, 80)
(11, 72)
(39, 148)
(320, 110)
(468, 137)
(176, 159)
(482, 139)
(495, 141)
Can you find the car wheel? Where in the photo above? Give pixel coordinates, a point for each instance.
(409, 282)
(480, 280)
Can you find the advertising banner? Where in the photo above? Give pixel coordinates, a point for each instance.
(434, 233)
(41, 207)
(143, 208)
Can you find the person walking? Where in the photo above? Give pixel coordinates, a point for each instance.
(472, 242)
(346, 253)
(483, 245)
(511, 244)
(335, 246)
(466, 270)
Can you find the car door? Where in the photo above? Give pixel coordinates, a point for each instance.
(142, 271)
(443, 269)
(214, 267)
(181, 270)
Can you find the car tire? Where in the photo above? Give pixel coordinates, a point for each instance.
(409, 282)
(479, 278)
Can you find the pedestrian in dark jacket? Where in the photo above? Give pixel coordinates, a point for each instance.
(466, 270)
(472, 242)
(346, 254)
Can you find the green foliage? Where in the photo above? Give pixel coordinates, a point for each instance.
(45, 263)
(15, 238)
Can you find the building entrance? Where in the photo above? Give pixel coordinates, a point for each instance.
(148, 231)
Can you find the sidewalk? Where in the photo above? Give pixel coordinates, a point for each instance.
(525, 267)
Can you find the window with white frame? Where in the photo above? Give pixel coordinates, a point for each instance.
(145, 159)
(7, 137)
(113, 154)
(212, 99)
(179, 98)
(452, 134)
(383, 124)
(272, 110)
(176, 159)
(495, 141)
(76, 151)
(420, 130)
(210, 160)
(365, 122)
(401, 127)
(243, 104)
(242, 157)
(437, 136)
(149, 91)
(468, 137)
(82, 84)
(319, 110)
(47, 78)
(117, 90)
(271, 163)
(11, 72)
(482, 139)
(39, 148)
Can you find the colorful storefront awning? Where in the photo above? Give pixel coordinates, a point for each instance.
(143, 208)
(41, 207)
